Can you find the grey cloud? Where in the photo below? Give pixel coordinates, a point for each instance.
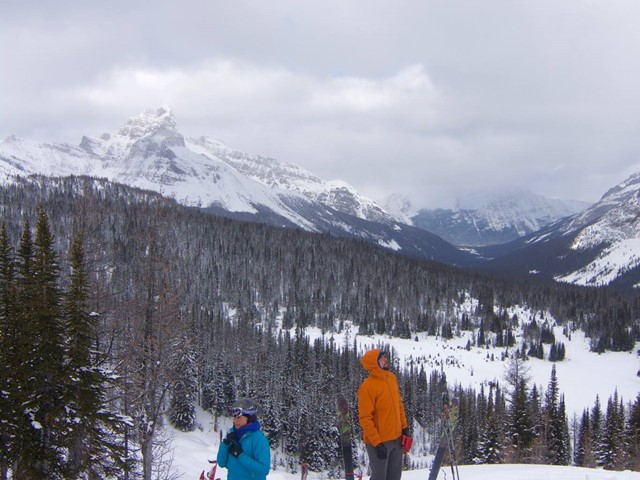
(423, 98)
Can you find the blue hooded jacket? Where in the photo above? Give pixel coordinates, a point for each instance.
(255, 460)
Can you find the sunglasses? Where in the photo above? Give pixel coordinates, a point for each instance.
(237, 412)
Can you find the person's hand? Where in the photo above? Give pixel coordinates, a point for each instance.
(230, 438)
(381, 451)
(406, 432)
(235, 449)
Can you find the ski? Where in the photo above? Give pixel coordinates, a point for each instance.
(450, 418)
(344, 428)
(437, 461)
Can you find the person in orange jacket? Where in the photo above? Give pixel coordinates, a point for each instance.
(382, 417)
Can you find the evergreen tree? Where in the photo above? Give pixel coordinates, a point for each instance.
(564, 443)
(481, 336)
(41, 373)
(557, 352)
(218, 391)
(468, 427)
(236, 278)
(420, 411)
(94, 449)
(554, 424)
(613, 447)
(319, 435)
(182, 408)
(8, 341)
(538, 445)
(596, 431)
(490, 439)
(520, 427)
(22, 428)
(584, 455)
(633, 436)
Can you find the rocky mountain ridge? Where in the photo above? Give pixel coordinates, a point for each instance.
(149, 152)
(487, 218)
(596, 247)
(599, 245)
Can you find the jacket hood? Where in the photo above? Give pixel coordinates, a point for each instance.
(370, 360)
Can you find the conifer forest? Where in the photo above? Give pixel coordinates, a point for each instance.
(121, 310)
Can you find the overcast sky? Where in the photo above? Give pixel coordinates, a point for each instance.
(428, 98)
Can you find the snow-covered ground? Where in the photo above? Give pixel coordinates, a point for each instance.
(191, 451)
(581, 377)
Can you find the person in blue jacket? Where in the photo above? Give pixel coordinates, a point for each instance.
(245, 450)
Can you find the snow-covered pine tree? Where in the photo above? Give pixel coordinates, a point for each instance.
(633, 435)
(490, 444)
(467, 429)
(552, 422)
(612, 441)
(555, 425)
(584, 455)
(8, 328)
(520, 428)
(94, 429)
(564, 454)
(39, 444)
(596, 430)
(184, 389)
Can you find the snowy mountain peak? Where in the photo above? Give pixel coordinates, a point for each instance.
(266, 170)
(519, 202)
(399, 207)
(610, 229)
(623, 190)
(496, 216)
(285, 176)
(150, 152)
(152, 121)
(489, 198)
(618, 207)
(11, 139)
(345, 198)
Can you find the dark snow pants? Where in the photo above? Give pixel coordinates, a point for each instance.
(389, 468)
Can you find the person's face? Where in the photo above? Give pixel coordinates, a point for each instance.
(383, 361)
(239, 421)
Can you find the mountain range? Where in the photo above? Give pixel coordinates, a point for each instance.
(511, 230)
(487, 218)
(599, 246)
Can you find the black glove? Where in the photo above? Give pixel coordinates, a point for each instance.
(230, 438)
(381, 451)
(235, 449)
(407, 432)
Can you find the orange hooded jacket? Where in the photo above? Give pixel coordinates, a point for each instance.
(380, 410)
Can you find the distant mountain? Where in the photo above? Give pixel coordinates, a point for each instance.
(287, 176)
(599, 246)
(399, 207)
(491, 218)
(149, 152)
